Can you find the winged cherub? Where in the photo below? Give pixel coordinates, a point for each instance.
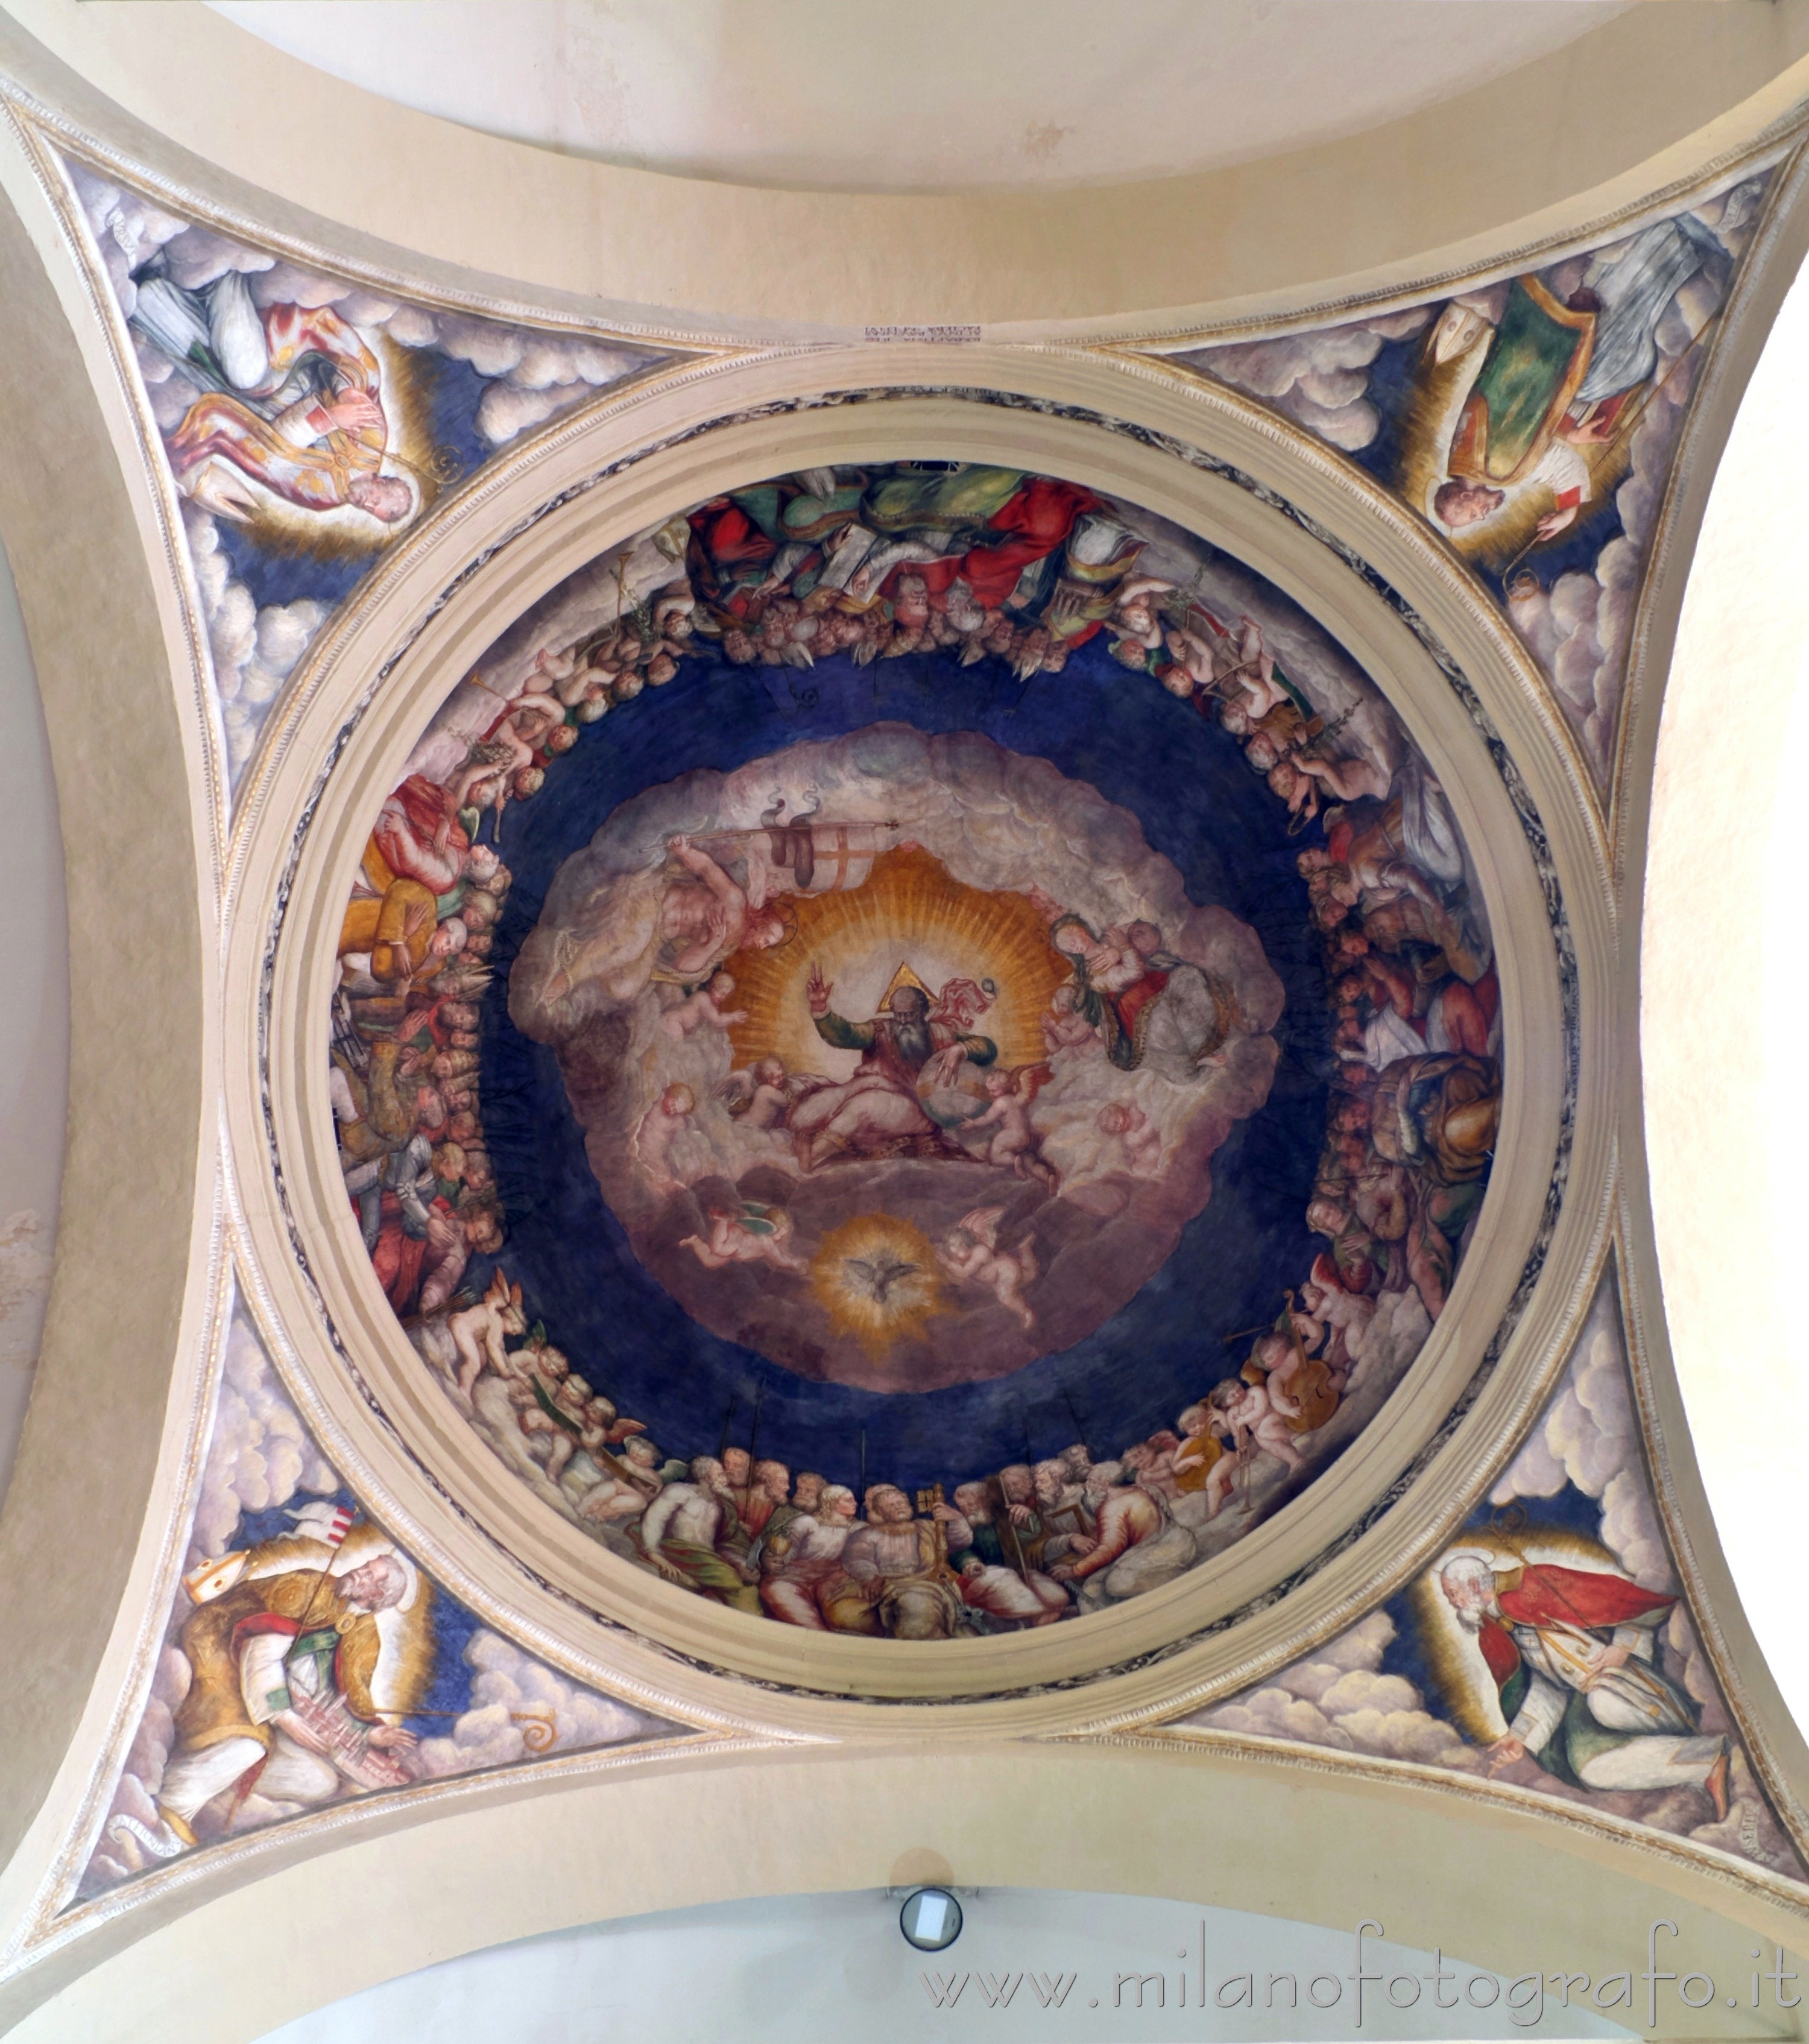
(971, 1253)
(478, 1332)
(1014, 1142)
(758, 1234)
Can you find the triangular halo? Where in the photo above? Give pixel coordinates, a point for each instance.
(903, 977)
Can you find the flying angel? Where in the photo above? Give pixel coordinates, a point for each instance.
(1014, 1142)
(760, 1096)
(758, 1234)
(970, 1252)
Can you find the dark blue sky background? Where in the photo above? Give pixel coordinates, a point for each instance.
(1198, 803)
(1572, 1510)
(275, 572)
(1391, 391)
(449, 1692)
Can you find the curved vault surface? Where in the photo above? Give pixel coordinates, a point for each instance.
(1133, 1323)
(1079, 107)
(923, 992)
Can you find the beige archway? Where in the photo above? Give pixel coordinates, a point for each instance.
(1060, 1787)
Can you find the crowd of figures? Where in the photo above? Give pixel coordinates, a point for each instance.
(980, 562)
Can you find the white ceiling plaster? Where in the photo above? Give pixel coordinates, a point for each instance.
(941, 95)
(1723, 984)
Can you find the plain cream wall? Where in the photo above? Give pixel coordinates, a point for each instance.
(1724, 980)
(1658, 94)
(784, 1968)
(940, 96)
(34, 1019)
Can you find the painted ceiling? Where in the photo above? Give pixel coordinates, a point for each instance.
(930, 979)
(913, 1050)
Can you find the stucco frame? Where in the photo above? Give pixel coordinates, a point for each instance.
(698, 450)
(155, 1372)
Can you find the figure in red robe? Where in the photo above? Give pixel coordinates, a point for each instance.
(1574, 1654)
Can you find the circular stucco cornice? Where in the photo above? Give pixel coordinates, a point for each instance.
(1191, 453)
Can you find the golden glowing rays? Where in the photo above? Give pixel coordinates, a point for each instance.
(876, 1277)
(1427, 422)
(344, 532)
(1471, 1701)
(910, 912)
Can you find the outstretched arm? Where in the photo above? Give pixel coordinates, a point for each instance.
(480, 770)
(431, 861)
(1282, 1400)
(711, 875)
(712, 1254)
(845, 1036)
(1115, 1536)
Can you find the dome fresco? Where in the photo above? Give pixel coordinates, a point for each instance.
(916, 1049)
(881, 1115)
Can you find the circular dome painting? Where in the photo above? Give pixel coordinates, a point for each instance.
(916, 1049)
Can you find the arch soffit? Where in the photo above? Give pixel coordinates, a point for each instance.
(1131, 1822)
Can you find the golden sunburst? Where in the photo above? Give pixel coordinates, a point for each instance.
(876, 1277)
(344, 532)
(911, 912)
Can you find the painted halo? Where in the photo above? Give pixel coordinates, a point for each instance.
(916, 1049)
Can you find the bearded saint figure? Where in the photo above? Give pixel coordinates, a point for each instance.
(1573, 1654)
(676, 919)
(288, 1692)
(290, 398)
(879, 1112)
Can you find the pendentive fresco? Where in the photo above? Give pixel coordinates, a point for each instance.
(916, 1049)
(1548, 1645)
(307, 1658)
(1532, 423)
(309, 422)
